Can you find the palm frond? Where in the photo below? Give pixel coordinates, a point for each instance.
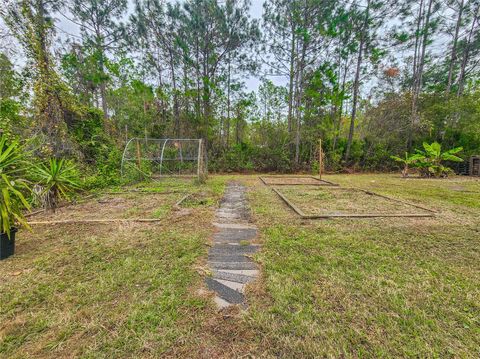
(59, 179)
(12, 200)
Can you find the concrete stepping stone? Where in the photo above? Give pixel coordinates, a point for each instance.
(249, 272)
(221, 303)
(226, 293)
(235, 225)
(233, 265)
(239, 278)
(235, 234)
(232, 249)
(239, 287)
(229, 257)
(236, 241)
(239, 258)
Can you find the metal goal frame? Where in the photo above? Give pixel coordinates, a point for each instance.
(165, 157)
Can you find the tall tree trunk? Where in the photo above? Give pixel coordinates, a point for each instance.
(206, 97)
(338, 125)
(48, 105)
(291, 77)
(43, 58)
(237, 127)
(101, 65)
(300, 84)
(198, 80)
(453, 55)
(185, 101)
(356, 82)
(421, 64)
(176, 109)
(334, 107)
(160, 86)
(227, 130)
(466, 53)
(415, 77)
(103, 95)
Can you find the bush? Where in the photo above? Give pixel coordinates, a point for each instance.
(12, 201)
(431, 161)
(57, 179)
(246, 157)
(10, 118)
(101, 154)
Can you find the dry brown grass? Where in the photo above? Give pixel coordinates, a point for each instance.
(384, 287)
(117, 290)
(343, 201)
(293, 180)
(329, 288)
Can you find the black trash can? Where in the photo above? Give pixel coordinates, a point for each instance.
(7, 245)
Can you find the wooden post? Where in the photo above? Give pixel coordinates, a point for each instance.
(320, 158)
(199, 159)
(139, 154)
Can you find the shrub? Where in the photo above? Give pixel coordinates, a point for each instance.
(100, 153)
(430, 162)
(408, 161)
(12, 201)
(58, 179)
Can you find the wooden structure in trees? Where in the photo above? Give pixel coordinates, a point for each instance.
(474, 166)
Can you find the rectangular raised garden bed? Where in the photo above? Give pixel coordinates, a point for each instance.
(344, 202)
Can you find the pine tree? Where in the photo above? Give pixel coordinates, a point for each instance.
(101, 29)
(32, 23)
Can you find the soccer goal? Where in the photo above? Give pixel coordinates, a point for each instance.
(156, 158)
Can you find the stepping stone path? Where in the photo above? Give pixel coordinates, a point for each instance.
(229, 257)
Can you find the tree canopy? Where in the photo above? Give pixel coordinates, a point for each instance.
(370, 78)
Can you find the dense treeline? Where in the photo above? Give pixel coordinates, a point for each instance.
(370, 78)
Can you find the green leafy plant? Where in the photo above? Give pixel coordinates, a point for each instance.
(407, 161)
(432, 165)
(12, 201)
(58, 179)
(430, 161)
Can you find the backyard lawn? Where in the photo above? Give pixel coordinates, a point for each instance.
(381, 287)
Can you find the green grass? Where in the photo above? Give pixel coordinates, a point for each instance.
(369, 288)
(343, 200)
(127, 287)
(161, 211)
(103, 291)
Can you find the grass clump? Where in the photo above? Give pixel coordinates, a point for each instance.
(370, 287)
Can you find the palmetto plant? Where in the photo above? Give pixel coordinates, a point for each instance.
(12, 201)
(58, 179)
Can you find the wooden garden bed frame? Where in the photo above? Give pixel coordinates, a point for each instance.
(431, 213)
(108, 220)
(97, 221)
(320, 182)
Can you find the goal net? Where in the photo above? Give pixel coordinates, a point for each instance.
(156, 158)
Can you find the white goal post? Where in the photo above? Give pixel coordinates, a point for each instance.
(156, 158)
